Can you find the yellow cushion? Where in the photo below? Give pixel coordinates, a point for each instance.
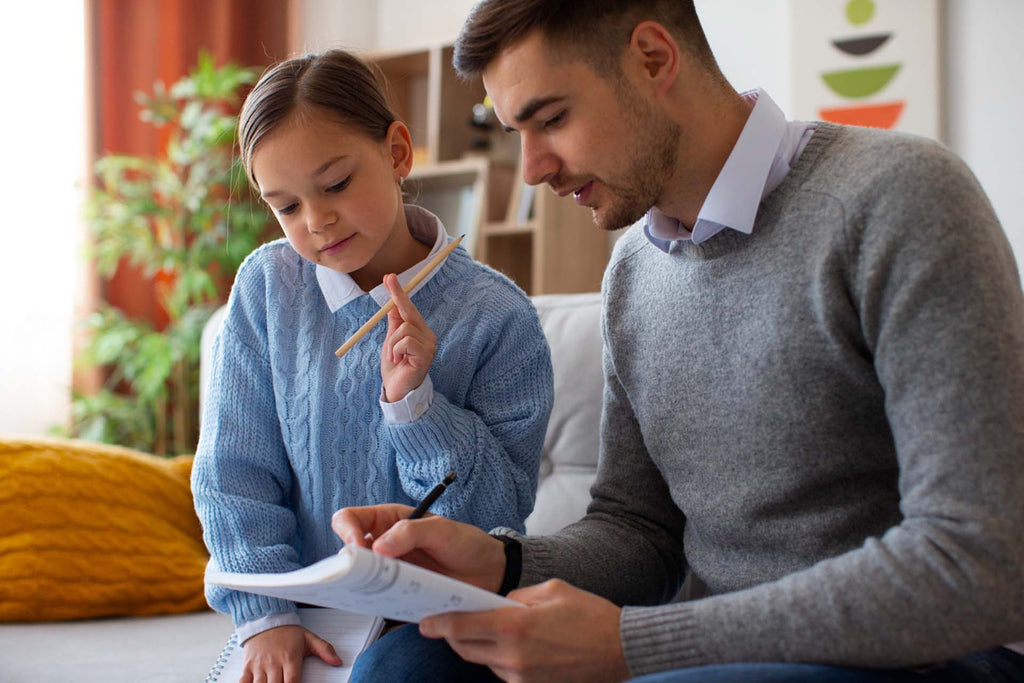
(90, 530)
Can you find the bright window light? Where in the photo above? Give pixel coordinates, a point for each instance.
(42, 117)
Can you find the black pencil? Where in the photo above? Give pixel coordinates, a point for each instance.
(434, 494)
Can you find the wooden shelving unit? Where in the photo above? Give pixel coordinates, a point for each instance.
(554, 248)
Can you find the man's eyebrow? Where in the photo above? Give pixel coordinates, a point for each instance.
(531, 108)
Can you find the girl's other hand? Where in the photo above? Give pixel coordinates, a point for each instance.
(409, 346)
(277, 654)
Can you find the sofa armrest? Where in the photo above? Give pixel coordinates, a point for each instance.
(572, 325)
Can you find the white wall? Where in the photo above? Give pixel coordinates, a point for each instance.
(981, 93)
(327, 24)
(401, 23)
(751, 40)
(984, 101)
(43, 158)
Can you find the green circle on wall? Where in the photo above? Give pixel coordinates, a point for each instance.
(860, 11)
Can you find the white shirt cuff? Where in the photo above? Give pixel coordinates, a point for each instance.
(248, 629)
(410, 408)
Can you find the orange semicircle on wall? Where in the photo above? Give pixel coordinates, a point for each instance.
(871, 115)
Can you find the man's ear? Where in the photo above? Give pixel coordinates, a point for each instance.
(656, 54)
(399, 145)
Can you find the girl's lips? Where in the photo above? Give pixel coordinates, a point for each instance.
(338, 246)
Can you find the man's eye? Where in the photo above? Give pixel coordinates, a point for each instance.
(338, 187)
(554, 120)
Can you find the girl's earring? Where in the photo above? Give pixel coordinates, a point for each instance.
(401, 181)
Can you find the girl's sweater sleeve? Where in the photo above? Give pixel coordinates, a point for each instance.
(241, 480)
(492, 400)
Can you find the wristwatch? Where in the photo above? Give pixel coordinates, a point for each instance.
(513, 564)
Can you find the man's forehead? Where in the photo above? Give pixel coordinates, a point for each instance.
(523, 74)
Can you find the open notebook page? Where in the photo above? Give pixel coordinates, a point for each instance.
(359, 580)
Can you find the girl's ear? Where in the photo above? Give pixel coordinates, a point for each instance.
(399, 144)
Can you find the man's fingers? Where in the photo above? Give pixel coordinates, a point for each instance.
(480, 637)
(486, 626)
(352, 524)
(405, 535)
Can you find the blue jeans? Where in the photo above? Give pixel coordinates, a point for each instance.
(404, 656)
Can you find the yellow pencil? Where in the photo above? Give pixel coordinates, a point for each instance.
(379, 315)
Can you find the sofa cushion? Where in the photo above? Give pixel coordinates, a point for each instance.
(90, 530)
(572, 325)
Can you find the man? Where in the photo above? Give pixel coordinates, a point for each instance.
(814, 403)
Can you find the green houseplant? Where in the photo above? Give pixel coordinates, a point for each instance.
(186, 219)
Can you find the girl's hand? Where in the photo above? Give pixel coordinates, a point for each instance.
(277, 654)
(409, 346)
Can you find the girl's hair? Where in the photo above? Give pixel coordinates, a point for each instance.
(596, 31)
(335, 82)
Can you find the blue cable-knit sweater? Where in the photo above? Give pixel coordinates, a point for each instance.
(291, 433)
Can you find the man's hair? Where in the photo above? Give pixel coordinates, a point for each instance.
(596, 31)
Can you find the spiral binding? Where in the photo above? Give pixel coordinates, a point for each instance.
(222, 659)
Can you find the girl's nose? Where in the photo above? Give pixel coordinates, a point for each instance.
(320, 219)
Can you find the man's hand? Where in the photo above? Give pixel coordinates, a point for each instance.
(566, 634)
(459, 550)
(409, 346)
(277, 654)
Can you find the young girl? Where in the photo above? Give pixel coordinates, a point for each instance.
(459, 379)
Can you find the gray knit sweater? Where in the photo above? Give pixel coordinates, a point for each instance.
(823, 420)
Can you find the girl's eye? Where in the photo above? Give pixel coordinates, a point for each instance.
(338, 187)
(286, 210)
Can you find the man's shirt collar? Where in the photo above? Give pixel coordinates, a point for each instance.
(757, 164)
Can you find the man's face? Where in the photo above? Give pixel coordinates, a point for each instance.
(595, 137)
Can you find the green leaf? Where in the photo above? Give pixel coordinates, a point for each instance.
(186, 215)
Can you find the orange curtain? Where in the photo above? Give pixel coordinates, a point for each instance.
(137, 42)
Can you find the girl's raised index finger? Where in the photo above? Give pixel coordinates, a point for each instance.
(402, 301)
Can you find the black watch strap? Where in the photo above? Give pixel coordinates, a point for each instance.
(513, 564)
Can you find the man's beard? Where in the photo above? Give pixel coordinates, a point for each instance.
(652, 161)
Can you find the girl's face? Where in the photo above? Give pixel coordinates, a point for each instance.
(335, 192)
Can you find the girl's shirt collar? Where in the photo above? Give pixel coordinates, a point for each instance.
(339, 288)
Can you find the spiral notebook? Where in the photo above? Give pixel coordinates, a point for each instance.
(350, 634)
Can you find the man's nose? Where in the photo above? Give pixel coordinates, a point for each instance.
(539, 162)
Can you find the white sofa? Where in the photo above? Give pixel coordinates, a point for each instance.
(181, 648)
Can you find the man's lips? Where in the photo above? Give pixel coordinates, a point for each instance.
(581, 193)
